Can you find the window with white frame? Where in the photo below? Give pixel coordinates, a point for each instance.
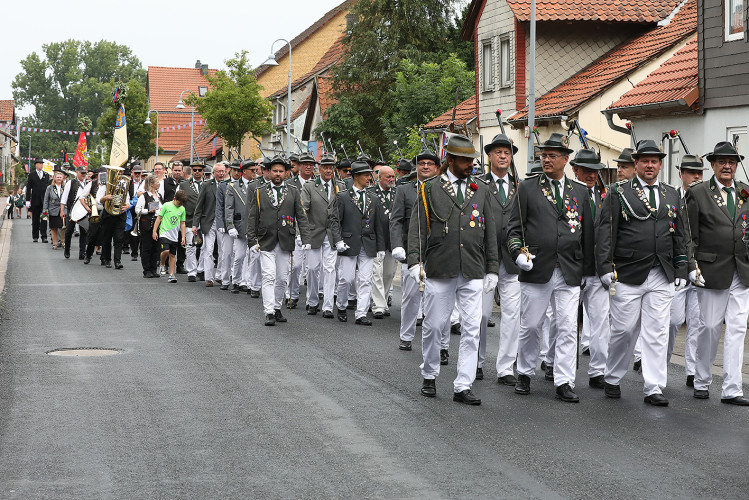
(505, 59)
(738, 137)
(734, 19)
(487, 66)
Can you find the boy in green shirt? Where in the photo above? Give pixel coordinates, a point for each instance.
(169, 225)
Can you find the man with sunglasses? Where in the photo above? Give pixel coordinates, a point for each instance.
(192, 187)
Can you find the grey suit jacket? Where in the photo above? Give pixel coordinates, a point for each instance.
(205, 209)
(400, 214)
(455, 238)
(52, 201)
(501, 212)
(358, 229)
(386, 202)
(636, 245)
(235, 213)
(565, 239)
(318, 206)
(716, 240)
(270, 223)
(221, 205)
(189, 187)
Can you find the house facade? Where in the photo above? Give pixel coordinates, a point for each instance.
(8, 141)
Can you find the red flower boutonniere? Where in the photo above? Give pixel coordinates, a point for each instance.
(473, 187)
(603, 196)
(744, 194)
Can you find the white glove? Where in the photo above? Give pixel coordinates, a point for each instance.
(606, 279)
(679, 283)
(523, 263)
(399, 254)
(307, 247)
(255, 248)
(380, 255)
(490, 282)
(698, 281)
(222, 230)
(298, 240)
(233, 232)
(415, 272)
(341, 246)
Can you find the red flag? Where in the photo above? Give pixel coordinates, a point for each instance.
(213, 151)
(81, 157)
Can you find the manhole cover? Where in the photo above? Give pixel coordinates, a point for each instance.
(84, 351)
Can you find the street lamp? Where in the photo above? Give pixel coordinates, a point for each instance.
(148, 122)
(271, 61)
(100, 149)
(181, 105)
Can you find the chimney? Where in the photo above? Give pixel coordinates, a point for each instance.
(203, 69)
(197, 64)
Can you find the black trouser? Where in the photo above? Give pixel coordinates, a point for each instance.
(181, 251)
(134, 242)
(93, 238)
(69, 230)
(112, 229)
(38, 225)
(150, 249)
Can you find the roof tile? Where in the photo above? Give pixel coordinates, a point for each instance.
(635, 11)
(464, 112)
(330, 58)
(166, 84)
(325, 94)
(7, 110)
(203, 147)
(173, 140)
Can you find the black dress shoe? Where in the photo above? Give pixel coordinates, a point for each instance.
(737, 400)
(701, 394)
(466, 397)
(379, 315)
(455, 329)
(387, 313)
(390, 301)
(351, 305)
(327, 314)
(292, 303)
(342, 316)
(81, 256)
(279, 317)
(690, 380)
(147, 274)
(243, 288)
(656, 400)
(596, 382)
(637, 366)
(586, 351)
(118, 265)
(255, 294)
(507, 380)
(126, 251)
(490, 323)
(108, 265)
(612, 391)
(87, 260)
(566, 394)
(224, 287)
(36, 240)
(444, 356)
(66, 253)
(191, 279)
(428, 388)
(523, 386)
(479, 373)
(312, 310)
(134, 258)
(235, 288)
(363, 321)
(181, 270)
(549, 373)
(44, 240)
(201, 276)
(270, 320)
(419, 321)
(405, 345)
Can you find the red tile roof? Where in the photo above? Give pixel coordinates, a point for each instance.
(330, 58)
(636, 11)
(325, 94)
(613, 66)
(7, 110)
(203, 147)
(674, 80)
(173, 140)
(166, 84)
(306, 34)
(464, 113)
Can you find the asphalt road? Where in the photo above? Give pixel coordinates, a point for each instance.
(206, 402)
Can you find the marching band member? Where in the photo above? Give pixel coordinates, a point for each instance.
(148, 206)
(135, 190)
(74, 190)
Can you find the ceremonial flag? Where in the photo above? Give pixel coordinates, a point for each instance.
(81, 152)
(119, 154)
(213, 151)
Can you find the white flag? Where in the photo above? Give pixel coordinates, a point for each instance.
(119, 154)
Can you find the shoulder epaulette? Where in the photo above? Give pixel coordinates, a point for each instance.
(581, 183)
(482, 179)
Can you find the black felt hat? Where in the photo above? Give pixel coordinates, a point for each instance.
(556, 141)
(724, 148)
(500, 140)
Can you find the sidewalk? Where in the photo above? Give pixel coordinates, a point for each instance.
(5, 229)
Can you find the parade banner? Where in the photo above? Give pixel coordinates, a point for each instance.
(119, 154)
(81, 153)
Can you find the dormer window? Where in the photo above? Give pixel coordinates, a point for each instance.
(202, 91)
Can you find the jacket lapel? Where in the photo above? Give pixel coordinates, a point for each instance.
(718, 198)
(548, 192)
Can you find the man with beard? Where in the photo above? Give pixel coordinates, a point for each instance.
(383, 269)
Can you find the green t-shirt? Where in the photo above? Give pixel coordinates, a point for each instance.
(171, 217)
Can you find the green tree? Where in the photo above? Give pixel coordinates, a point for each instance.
(139, 135)
(233, 107)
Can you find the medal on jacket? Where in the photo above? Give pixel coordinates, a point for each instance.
(283, 220)
(670, 227)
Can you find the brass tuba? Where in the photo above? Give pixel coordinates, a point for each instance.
(117, 186)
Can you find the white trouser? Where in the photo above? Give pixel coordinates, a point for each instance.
(640, 310)
(637, 353)
(255, 273)
(685, 307)
(595, 299)
(509, 321)
(715, 306)
(239, 249)
(382, 277)
(275, 269)
(191, 254)
(225, 257)
(585, 333)
(534, 301)
(548, 336)
(321, 275)
(410, 304)
(206, 252)
(246, 268)
(348, 275)
(297, 275)
(440, 295)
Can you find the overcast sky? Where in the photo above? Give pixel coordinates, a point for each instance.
(160, 32)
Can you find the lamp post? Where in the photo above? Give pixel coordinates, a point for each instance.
(181, 105)
(148, 122)
(29, 153)
(271, 61)
(100, 149)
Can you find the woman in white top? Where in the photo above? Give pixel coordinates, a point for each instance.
(146, 209)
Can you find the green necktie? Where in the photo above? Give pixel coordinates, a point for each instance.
(652, 196)
(459, 194)
(501, 187)
(560, 203)
(592, 202)
(361, 200)
(387, 199)
(327, 190)
(730, 203)
(278, 193)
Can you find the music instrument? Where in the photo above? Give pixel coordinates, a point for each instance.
(117, 186)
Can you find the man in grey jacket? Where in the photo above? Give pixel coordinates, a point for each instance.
(204, 220)
(235, 216)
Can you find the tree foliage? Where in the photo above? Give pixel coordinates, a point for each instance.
(139, 135)
(233, 107)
